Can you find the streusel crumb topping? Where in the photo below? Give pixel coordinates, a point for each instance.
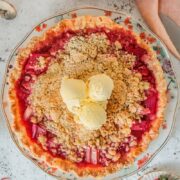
(81, 58)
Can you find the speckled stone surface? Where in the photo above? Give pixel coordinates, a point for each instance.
(12, 163)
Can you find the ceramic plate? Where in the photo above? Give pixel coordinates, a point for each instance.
(128, 22)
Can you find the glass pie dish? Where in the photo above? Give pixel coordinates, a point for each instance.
(127, 22)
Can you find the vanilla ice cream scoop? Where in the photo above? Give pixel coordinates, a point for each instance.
(100, 87)
(72, 92)
(92, 116)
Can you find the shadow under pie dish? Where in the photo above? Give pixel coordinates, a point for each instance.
(80, 48)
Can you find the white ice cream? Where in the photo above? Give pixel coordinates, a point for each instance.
(88, 101)
(92, 115)
(72, 92)
(100, 87)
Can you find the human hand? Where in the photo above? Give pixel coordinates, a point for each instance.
(150, 10)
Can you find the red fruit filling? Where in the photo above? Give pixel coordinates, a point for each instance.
(34, 65)
(27, 113)
(31, 70)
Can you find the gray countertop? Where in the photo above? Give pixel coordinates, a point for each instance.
(12, 163)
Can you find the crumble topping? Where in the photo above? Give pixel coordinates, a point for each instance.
(82, 58)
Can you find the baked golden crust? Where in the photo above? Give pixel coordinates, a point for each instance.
(66, 165)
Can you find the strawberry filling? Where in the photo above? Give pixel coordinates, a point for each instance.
(33, 67)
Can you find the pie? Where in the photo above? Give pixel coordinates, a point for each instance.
(80, 48)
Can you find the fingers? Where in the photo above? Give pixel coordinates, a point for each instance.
(170, 9)
(149, 12)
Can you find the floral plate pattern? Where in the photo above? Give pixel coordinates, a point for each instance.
(162, 54)
(154, 175)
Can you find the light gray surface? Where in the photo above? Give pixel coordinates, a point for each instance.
(12, 163)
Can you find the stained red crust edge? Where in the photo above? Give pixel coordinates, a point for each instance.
(37, 152)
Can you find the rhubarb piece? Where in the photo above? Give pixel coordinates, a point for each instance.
(27, 113)
(26, 86)
(94, 156)
(34, 130)
(41, 131)
(91, 155)
(88, 155)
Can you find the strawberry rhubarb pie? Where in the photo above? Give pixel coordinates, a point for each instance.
(88, 96)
